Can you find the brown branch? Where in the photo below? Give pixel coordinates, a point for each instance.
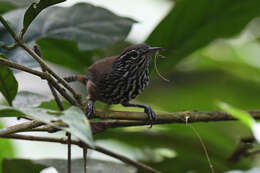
(124, 159)
(40, 61)
(20, 127)
(166, 118)
(42, 75)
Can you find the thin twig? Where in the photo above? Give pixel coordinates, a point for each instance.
(69, 151)
(42, 75)
(124, 159)
(85, 152)
(40, 61)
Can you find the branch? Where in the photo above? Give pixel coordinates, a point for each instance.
(20, 127)
(42, 75)
(124, 159)
(166, 118)
(39, 60)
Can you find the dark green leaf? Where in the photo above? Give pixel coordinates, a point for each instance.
(21, 166)
(191, 25)
(35, 9)
(8, 150)
(8, 83)
(93, 166)
(69, 23)
(6, 111)
(5, 7)
(65, 53)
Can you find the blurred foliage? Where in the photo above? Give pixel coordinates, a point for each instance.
(87, 32)
(35, 166)
(191, 25)
(203, 67)
(6, 150)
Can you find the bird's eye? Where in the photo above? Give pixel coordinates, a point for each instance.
(134, 54)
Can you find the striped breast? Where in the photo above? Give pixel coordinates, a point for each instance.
(125, 82)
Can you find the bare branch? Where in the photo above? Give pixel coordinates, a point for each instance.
(20, 127)
(42, 75)
(124, 159)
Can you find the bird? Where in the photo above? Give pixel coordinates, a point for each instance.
(119, 79)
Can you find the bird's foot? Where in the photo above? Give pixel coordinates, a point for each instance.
(90, 109)
(151, 116)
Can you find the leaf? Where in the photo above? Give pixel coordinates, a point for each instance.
(5, 7)
(8, 149)
(35, 9)
(78, 125)
(28, 99)
(53, 105)
(6, 111)
(21, 166)
(65, 53)
(74, 117)
(69, 23)
(243, 116)
(93, 166)
(191, 25)
(8, 83)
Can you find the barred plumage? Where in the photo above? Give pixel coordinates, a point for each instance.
(118, 79)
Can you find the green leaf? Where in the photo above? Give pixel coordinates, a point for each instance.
(191, 25)
(5, 7)
(243, 116)
(35, 9)
(69, 23)
(8, 83)
(6, 111)
(78, 125)
(65, 53)
(21, 166)
(93, 166)
(53, 105)
(73, 117)
(29, 99)
(8, 150)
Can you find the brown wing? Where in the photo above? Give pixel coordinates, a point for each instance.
(97, 71)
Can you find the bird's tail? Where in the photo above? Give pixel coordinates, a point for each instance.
(80, 78)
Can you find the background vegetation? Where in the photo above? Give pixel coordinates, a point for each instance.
(212, 49)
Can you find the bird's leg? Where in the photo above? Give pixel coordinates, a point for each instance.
(90, 109)
(147, 109)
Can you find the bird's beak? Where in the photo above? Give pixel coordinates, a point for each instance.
(154, 49)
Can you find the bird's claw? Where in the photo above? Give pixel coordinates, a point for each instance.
(90, 109)
(151, 116)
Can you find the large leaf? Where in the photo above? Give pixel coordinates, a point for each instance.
(35, 9)
(8, 150)
(93, 166)
(191, 25)
(8, 83)
(76, 120)
(28, 99)
(69, 23)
